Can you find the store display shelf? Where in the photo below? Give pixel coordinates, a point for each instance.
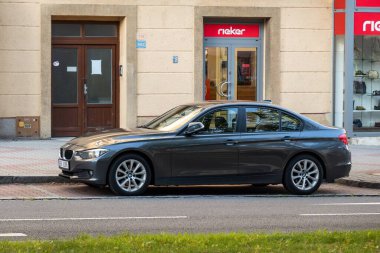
(365, 76)
(370, 60)
(366, 129)
(367, 94)
(366, 110)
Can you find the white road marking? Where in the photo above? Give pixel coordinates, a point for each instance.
(348, 204)
(98, 218)
(337, 214)
(12, 234)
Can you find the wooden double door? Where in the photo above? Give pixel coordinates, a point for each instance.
(84, 89)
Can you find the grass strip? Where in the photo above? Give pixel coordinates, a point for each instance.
(320, 241)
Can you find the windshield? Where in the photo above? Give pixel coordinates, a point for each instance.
(175, 118)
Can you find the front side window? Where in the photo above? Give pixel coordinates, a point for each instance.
(262, 120)
(220, 121)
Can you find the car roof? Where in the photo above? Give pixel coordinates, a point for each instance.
(208, 104)
(211, 104)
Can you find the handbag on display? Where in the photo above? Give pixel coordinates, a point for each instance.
(357, 123)
(360, 87)
(373, 74)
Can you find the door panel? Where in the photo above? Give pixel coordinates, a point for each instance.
(265, 146)
(99, 75)
(65, 76)
(231, 72)
(216, 73)
(83, 89)
(66, 93)
(99, 116)
(200, 156)
(99, 88)
(265, 153)
(245, 73)
(211, 152)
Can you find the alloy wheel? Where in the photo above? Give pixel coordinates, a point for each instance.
(305, 174)
(131, 175)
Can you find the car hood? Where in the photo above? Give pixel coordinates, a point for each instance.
(114, 136)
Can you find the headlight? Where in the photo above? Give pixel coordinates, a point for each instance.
(91, 153)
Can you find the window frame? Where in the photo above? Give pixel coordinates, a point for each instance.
(82, 39)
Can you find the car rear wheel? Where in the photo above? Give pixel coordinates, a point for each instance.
(303, 175)
(129, 175)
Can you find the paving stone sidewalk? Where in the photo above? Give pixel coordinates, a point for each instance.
(35, 161)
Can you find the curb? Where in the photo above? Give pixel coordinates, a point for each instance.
(358, 183)
(56, 179)
(32, 179)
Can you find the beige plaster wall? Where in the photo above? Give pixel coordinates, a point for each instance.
(20, 84)
(306, 61)
(162, 84)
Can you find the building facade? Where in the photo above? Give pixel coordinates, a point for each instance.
(78, 66)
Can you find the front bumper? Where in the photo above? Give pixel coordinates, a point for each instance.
(92, 171)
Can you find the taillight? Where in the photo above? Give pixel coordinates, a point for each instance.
(343, 138)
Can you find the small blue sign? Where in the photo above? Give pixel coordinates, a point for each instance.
(140, 43)
(175, 59)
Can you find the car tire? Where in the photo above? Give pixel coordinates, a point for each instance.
(129, 175)
(303, 175)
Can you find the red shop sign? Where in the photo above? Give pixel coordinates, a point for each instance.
(232, 30)
(367, 3)
(367, 23)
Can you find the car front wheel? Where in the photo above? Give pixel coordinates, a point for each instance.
(303, 175)
(129, 175)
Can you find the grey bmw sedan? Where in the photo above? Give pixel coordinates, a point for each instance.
(211, 143)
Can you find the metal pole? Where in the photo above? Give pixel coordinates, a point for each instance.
(349, 67)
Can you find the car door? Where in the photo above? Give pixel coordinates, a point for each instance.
(212, 153)
(269, 136)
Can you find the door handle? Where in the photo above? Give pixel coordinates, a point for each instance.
(231, 142)
(287, 138)
(219, 89)
(85, 89)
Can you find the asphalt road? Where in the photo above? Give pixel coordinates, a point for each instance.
(60, 218)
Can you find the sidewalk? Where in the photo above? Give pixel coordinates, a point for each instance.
(35, 161)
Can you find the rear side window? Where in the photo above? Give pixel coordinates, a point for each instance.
(262, 120)
(290, 123)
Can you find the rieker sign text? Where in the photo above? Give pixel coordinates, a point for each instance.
(232, 30)
(367, 23)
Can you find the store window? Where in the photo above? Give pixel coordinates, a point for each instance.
(366, 89)
(366, 83)
(357, 66)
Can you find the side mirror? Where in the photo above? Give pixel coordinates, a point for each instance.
(194, 127)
